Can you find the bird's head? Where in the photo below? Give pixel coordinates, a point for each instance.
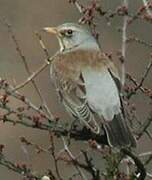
(72, 36)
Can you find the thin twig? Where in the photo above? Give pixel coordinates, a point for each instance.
(140, 167)
(10, 91)
(23, 58)
(144, 126)
(124, 39)
(43, 46)
(145, 2)
(145, 74)
(73, 160)
(21, 169)
(140, 84)
(52, 150)
(36, 73)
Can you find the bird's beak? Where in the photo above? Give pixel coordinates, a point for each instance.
(52, 30)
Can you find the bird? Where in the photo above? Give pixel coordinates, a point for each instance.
(88, 84)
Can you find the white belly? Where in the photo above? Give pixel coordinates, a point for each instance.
(102, 93)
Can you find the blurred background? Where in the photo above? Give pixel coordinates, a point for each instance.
(28, 16)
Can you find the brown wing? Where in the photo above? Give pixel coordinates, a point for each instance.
(73, 96)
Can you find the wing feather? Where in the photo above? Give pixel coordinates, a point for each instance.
(74, 99)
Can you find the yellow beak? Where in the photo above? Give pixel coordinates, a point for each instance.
(52, 30)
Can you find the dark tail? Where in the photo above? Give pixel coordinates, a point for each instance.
(118, 133)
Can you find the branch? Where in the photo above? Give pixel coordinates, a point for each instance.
(23, 58)
(71, 156)
(124, 39)
(52, 150)
(21, 169)
(146, 4)
(140, 167)
(143, 128)
(145, 74)
(140, 84)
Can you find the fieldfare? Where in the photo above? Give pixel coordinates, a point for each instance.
(88, 84)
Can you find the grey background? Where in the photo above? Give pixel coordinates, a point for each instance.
(28, 16)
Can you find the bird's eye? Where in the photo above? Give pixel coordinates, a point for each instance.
(69, 32)
(66, 32)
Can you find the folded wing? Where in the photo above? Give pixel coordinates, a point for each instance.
(73, 95)
(102, 92)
